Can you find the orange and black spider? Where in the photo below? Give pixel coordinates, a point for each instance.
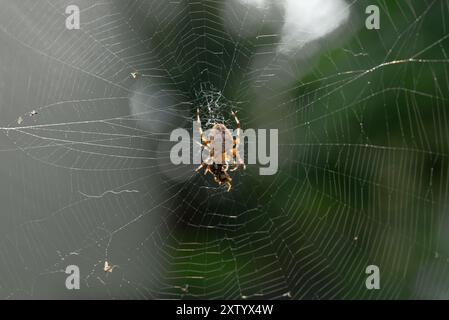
(218, 164)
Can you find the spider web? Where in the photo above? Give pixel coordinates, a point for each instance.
(86, 176)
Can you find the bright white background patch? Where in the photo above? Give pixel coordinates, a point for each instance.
(256, 3)
(304, 20)
(309, 20)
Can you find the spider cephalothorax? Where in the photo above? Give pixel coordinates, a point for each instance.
(218, 163)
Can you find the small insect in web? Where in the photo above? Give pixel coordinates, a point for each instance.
(218, 164)
(108, 268)
(33, 113)
(134, 75)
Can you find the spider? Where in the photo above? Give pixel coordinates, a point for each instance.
(218, 164)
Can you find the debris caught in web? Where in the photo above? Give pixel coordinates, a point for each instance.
(108, 268)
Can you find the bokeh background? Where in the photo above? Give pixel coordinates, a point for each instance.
(86, 177)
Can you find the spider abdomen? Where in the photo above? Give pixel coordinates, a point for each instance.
(221, 144)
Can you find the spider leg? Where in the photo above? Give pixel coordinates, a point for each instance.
(236, 155)
(203, 165)
(208, 161)
(198, 121)
(241, 162)
(226, 166)
(204, 146)
(229, 186)
(238, 162)
(238, 129)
